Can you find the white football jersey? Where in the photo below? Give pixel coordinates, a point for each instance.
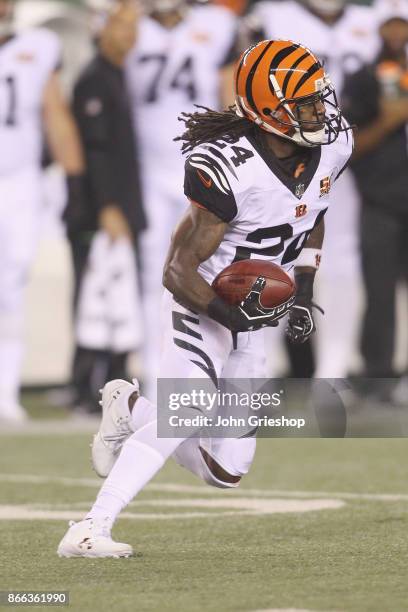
(343, 47)
(270, 214)
(27, 60)
(170, 70)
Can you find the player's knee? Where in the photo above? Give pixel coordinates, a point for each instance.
(227, 460)
(218, 477)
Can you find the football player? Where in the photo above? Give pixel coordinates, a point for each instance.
(183, 56)
(242, 178)
(344, 37)
(30, 104)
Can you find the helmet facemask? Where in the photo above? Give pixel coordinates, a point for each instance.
(324, 124)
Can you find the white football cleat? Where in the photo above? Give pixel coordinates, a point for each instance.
(91, 538)
(116, 425)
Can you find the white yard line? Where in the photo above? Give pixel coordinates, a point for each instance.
(202, 490)
(223, 507)
(28, 513)
(71, 425)
(285, 610)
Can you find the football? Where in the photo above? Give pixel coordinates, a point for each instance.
(234, 283)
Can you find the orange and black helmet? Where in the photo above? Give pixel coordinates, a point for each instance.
(274, 79)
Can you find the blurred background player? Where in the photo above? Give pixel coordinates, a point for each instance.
(343, 36)
(182, 57)
(376, 100)
(104, 235)
(31, 104)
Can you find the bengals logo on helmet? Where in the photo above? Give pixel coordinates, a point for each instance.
(272, 78)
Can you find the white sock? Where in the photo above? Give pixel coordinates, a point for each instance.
(143, 412)
(142, 456)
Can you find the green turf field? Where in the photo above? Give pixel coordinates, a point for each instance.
(317, 525)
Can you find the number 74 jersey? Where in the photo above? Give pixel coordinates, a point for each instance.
(270, 214)
(172, 69)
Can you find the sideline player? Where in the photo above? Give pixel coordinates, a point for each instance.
(183, 56)
(31, 103)
(242, 179)
(344, 37)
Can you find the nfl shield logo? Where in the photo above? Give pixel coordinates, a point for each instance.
(300, 190)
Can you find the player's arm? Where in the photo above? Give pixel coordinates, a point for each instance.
(199, 234)
(227, 71)
(195, 239)
(393, 114)
(227, 85)
(61, 130)
(301, 322)
(64, 143)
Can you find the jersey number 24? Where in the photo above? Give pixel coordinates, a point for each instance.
(283, 232)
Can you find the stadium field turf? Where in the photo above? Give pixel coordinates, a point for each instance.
(316, 525)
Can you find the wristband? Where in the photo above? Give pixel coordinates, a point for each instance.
(304, 284)
(309, 258)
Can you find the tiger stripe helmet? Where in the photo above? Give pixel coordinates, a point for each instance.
(273, 79)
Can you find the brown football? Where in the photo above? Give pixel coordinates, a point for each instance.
(234, 283)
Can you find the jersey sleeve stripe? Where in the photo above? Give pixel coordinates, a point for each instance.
(214, 163)
(222, 157)
(205, 167)
(211, 165)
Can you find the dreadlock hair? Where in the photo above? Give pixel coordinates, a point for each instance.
(213, 125)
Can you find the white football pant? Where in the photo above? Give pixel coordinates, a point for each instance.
(20, 208)
(198, 347)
